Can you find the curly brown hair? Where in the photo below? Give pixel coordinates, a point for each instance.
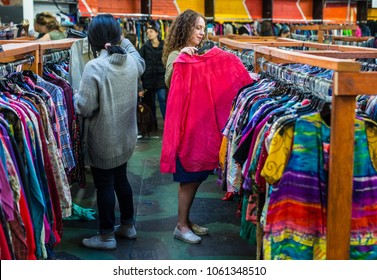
(47, 19)
(180, 32)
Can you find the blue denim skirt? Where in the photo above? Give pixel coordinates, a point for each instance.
(183, 176)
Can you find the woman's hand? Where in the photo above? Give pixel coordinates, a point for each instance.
(189, 50)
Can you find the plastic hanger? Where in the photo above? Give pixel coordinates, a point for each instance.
(206, 46)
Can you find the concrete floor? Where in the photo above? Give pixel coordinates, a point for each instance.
(155, 201)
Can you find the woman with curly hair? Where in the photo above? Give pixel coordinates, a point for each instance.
(201, 90)
(48, 27)
(186, 34)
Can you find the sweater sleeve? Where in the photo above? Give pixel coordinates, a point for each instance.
(86, 100)
(169, 67)
(130, 49)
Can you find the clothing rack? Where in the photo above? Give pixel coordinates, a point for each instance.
(367, 66)
(246, 58)
(9, 66)
(17, 53)
(321, 28)
(38, 47)
(366, 41)
(237, 37)
(335, 51)
(351, 38)
(55, 56)
(348, 82)
(317, 85)
(45, 46)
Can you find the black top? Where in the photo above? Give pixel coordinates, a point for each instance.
(154, 75)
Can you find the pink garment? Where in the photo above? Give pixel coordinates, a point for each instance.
(358, 32)
(199, 103)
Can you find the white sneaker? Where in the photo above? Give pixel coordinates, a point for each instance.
(127, 231)
(101, 242)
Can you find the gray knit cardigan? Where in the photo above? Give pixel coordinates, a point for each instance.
(107, 100)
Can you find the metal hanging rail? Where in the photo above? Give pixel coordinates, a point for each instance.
(5, 68)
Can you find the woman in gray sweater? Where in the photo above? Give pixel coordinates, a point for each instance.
(107, 99)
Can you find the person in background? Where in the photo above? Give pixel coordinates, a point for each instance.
(48, 27)
(153, 78)
(284, 33)
(107, 98)
(199, 103)
(144, 112)
(78, 30)
(266, 29)
(133, 39)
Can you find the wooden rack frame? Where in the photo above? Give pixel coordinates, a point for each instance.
(335, 51)
(348, 82)
(321, 28)
(350, 39)
(23, 46)
(53, 45)
(249, 38)
(13, 52)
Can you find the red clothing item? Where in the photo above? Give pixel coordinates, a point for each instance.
(26, 218)
(4, 248)
(199, 103)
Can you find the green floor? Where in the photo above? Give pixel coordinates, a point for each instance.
(155, 200)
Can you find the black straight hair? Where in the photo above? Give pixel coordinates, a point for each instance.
(104, 29)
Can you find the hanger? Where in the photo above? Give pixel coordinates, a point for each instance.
(30, 74)
(206, 46)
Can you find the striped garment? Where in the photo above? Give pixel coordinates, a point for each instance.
(296, 214)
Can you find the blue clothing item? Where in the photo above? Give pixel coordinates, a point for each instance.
(61, 111)
(37, 203)
(183, 176)
(106, 182)
(161, 96)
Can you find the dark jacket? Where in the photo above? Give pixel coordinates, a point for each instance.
(154, 75)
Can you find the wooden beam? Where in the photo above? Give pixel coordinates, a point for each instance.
(13, 52)
(305, 27)
(339, 202)
(209, 9)
(338, 27)
(233, 44)
(296, 43)
(18, 49)
(362, 11)
(146, 7)
(350, 38)
(341, 55)
(249, 43)
(64, 44)
(317, 10)
(267, 9)
(352, 84)
(324, 62)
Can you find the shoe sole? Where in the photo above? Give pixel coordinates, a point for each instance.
(100, 248)
(125, 236)
(186, 240)
(200, 233)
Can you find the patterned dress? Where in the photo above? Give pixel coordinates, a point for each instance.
(295, 225)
